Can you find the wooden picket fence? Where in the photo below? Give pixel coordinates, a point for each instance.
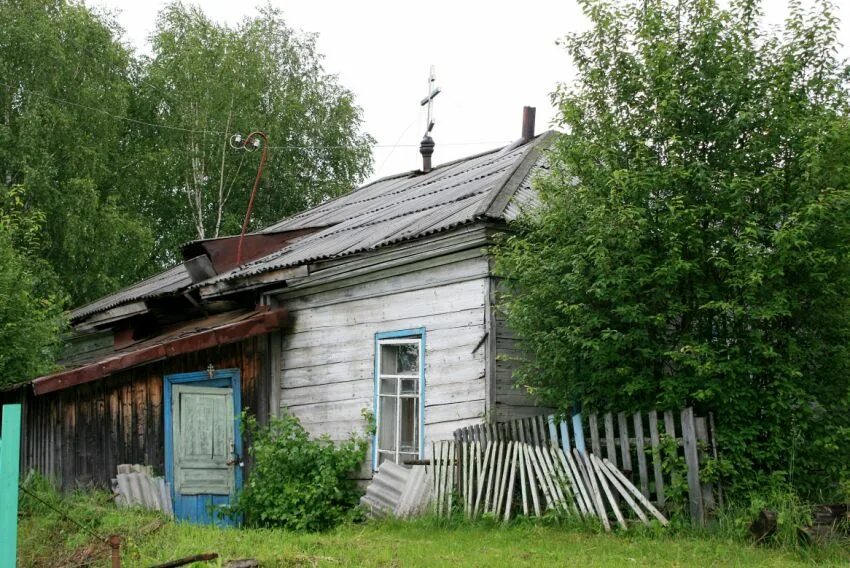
(631, 444)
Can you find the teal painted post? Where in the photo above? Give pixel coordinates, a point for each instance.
(10, 456)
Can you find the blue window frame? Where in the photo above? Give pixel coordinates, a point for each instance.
(399, 396)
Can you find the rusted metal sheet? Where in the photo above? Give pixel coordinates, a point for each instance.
(78, 436)
(188, 338)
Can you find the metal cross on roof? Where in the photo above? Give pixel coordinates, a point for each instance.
(429, 100)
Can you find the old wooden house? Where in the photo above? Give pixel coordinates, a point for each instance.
(382, 299)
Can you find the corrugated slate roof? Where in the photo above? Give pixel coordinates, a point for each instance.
(389, 210)
(404, 207)
(165, 282)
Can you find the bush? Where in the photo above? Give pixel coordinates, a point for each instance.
(693, 243)
(297, 482)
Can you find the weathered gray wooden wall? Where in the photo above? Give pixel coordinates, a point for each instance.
(510, 401)
(326, 363)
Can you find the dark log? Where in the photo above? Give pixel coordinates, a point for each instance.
(188, 560)
(764, 526)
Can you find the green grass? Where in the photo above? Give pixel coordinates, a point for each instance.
(47, 540)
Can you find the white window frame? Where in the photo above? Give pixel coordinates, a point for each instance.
(404, 337)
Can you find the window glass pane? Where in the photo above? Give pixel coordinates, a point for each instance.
(400, 359)
(409, 386)
(386, 428)
(407, 457)
(409, 425)
(389, 386)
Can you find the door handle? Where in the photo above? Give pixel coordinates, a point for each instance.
(236, 459)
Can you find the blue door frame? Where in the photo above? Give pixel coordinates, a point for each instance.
(199, 509)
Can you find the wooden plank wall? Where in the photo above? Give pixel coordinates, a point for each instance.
(78, 436)
(510, 401)
(327, 357)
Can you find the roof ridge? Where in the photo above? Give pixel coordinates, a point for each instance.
(495, 206)
(408, 175)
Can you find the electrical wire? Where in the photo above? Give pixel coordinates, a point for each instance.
(193, 131)
(62, 513)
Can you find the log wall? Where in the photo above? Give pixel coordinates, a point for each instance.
(79, 435)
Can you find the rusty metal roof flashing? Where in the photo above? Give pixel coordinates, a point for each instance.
(188, 337)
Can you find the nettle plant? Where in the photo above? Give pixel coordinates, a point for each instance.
(297, 482)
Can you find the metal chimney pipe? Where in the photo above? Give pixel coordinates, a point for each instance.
(426, 148)
(528, 114)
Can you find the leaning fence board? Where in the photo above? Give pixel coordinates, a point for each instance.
(565, 436)
(610, 448)
(612, 501)
(692, 461)
(510, 500)
(637, 494)
(581, 494)
(656, 458)
(702, 439)
(534, 479)
(625, 450)
(594, 489)
(594, 435)
(554, 489)
(643, 473)
(538, 475)
(615, 481)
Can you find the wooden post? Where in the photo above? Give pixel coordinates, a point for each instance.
(692, 460)
(10, 459)
(115, 544)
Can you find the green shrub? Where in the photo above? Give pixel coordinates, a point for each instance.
(692, 244)
(297, 482)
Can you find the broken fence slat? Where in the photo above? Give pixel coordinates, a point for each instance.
(692, 460)
(643, 473)
(565, 436)
(575, 478)
(609, 470)
(532, 486)
(655, 442)
(594, 434)
(578, 433)
(594, 490)
(638, 495)
(510, 499)
(553, 430)
(593, 461)
(625, 447)
(610, 448)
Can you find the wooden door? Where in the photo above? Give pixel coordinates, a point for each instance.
(203, 449)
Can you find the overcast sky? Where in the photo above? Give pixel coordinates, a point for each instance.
(491, 59)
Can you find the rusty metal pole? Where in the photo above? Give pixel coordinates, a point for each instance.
(253, 191)
(115, 543)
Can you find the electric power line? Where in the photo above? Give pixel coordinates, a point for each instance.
(193, 131)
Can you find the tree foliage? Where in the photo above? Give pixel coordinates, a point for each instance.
(207, 81)
(30, 309)
(63, 78)
(692, 243)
